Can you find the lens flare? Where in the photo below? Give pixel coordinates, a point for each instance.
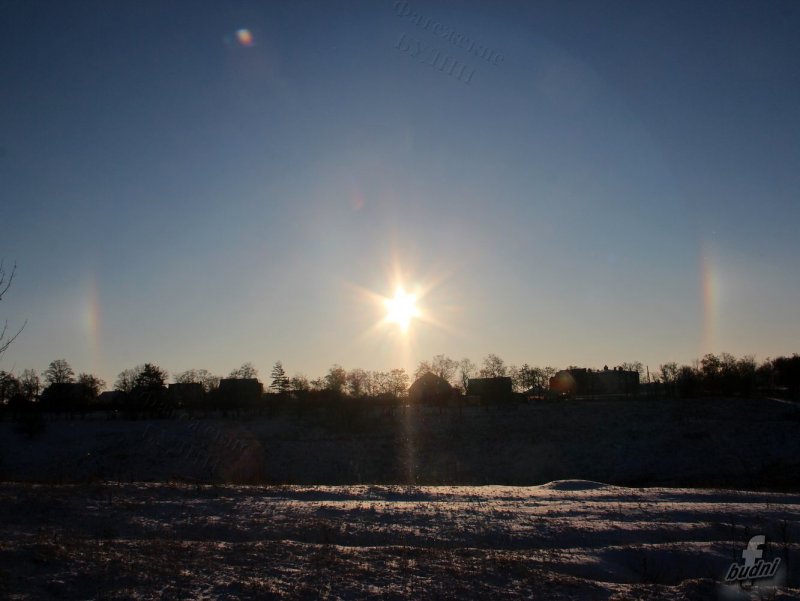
(244, 37)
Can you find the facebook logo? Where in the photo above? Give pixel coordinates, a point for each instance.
(754, 567)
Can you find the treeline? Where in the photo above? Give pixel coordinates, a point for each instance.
(144, 388)
(726, 375)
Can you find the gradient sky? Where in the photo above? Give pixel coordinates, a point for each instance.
(622, 186)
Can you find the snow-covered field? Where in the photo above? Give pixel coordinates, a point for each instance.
(103, 508)
(563, 540)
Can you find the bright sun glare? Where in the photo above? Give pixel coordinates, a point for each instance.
(401, 309)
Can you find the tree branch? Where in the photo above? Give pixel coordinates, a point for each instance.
(5, 284)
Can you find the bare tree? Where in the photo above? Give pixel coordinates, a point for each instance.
(633, 366)
(423, 368)
(94, 384)
(5, 283)
(669, 372)
(377, 383)
(441, 366)
(299, 383)
(31, 385)
(246, 371)
(531, 378)
(9, 387)
(198, 376)
(357, 382)
(126, 380)
(466, 370)
(547, 373)
(398, 382)
(318, 384)
(336, 379)
(513, 372)
(59, 372)
(444, 367)
(493, 367)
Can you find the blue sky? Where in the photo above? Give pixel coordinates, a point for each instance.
(622, 186)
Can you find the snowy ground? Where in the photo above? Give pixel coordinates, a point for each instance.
(562, 540)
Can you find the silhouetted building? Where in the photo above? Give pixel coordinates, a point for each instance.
(240, 392)
(430, 389)
(111, 398)
(66, 396)
(491, 389)
(587, 382)
(187, 394)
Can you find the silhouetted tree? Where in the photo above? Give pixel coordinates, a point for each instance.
(280, 382)
(493, 367)
(94, 385)
(67, 397)
(424, 367)
(398, 382)
(729, 379)
(710, 371)
(150, 377)
(538, 378)
(381, 383)
(633, 366)
(688, 381)
(746, 374)
(669, 372)
(59, 372)
(466, 370)
(299, 383)
(246, 371)
(548, 373)
(514, 372)
(669, 377)
(527, 378)
(126, 380)
(357, 380)
(145, 388)
(30, 383)
(765, 374)
(336, 379)
(205, 378)
(445, 367)
(9, 387)
(5, 283)
(787, 373)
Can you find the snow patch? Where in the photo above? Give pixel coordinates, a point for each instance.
(573, 485)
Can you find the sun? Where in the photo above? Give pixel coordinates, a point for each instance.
(401, 308)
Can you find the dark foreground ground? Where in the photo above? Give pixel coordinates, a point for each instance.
(731, 443)
(563, 540)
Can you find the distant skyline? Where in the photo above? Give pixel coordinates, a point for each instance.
(202, 184)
